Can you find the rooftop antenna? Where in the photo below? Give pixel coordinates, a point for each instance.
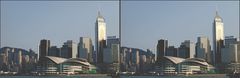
(99, 14)
(98, 11)
(216, 10)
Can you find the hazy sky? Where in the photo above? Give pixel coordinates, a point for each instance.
(25, 23)
(145, 22)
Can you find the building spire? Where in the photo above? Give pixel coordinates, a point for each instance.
(217, 10)
(99, 13)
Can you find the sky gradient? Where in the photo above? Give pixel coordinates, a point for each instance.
(145, 22)
(25, 23)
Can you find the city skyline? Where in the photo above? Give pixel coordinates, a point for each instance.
(145, 38)
(50, 19)
(145, 22)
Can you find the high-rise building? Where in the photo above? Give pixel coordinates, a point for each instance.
(230, 40)
(54, 51)
(218, 37)
(113, 43)
(44, 47)
(111, 55)
(18, 57)
(3, 60)
(238, 49)
(6, 53)
(85, 49)
(161, 48)
(172, 51)
(135, 60)
(116, 53)
(112, 40)
(108, 56)
(230, 54)
(100, 37)
(187, 49)
(69, 50)
(203, 49)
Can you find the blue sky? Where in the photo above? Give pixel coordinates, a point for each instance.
(25, 23)
(145, 22)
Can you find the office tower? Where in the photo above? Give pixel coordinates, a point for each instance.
(238, 48)
(230, 40)
(3, 59)
(143, 63)
(230, 54)
(171, 51)
(161, 48)
(187, 49)
(18, 57)
(54, 51)
(43, 48)
(100, 37)
(203, 49)
(113, 44)
(116, 53)
(69, 50)
(135, 60)
(6, 54)
(112, 40)
(218, 37)
(85, 49)
(108, 56)
(111, 55)
(11, 56)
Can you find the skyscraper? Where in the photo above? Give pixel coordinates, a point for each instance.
(100, 37)
(161, 48)
(172, 51)
(230, 40)
(44, 47)
(218, 37)
(18, 57)
(54, 51)
(230, 52)
(187, 49)
(85, 48)
(69, 50)
(111, 52)
(203, 49)
(116, 52)
(112, 40)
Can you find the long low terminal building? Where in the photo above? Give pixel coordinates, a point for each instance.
(176, 65)
(58, 65)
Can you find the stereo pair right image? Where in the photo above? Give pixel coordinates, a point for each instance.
(180, 39)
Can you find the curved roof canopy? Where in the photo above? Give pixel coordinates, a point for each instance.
(59, 60)
(56, 60)
(177, 60)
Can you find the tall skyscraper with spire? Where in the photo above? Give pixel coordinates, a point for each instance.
(218, 37)
(100, 37)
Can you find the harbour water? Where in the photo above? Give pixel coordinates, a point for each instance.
(79, 76)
